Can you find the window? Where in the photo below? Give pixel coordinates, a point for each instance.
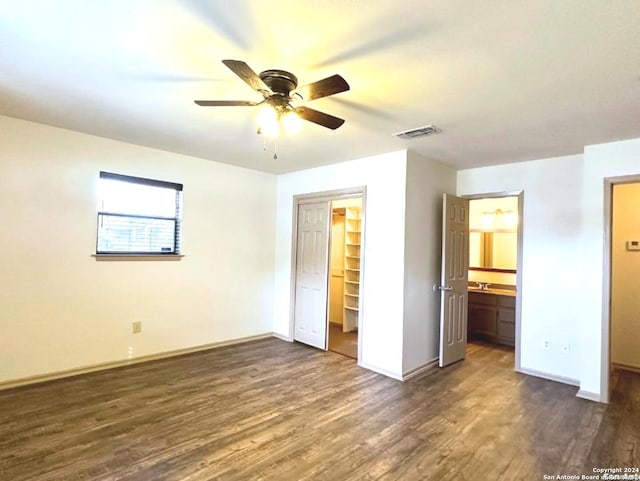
(138, 216)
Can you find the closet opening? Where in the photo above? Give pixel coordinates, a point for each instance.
(327, 260)
(344, 276)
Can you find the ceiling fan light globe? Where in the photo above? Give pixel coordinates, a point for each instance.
(268, 121)
(267, 114)
(292, 122)
(270, 129)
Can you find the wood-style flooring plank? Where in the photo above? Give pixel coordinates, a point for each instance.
(270, 410)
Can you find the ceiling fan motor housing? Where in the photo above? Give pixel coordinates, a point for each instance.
(279, 81)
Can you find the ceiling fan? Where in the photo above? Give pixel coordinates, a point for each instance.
(278, 89)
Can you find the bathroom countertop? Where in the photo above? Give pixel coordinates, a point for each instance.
(499, 292)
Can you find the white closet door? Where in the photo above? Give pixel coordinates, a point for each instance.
(312, 261)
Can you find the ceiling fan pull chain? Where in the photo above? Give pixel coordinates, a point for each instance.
(275, 150)
(264, 143)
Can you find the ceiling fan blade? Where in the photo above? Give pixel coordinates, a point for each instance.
(242, 70)
(323, 88)
(225, 103)
(320, 118)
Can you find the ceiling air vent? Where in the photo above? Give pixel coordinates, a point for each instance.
(419, 132)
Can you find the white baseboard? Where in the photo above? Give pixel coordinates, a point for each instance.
(384, 372)
(420, 369)
(550, 377)
(126, 362)
(282, 337)
(590, 396)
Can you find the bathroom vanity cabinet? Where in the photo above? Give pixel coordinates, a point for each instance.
(492, 316)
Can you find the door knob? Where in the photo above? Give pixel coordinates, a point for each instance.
(436, 288)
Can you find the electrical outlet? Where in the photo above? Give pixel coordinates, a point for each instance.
(546, 345)
(130, 352)
(137, 327)
(566, 347)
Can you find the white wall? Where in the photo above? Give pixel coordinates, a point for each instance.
(427, 180)
(553, 256)
(383, 265)
(563, 256)
(600, 162)
(61, 309)
(625, 273)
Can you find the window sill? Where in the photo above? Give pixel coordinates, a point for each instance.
(137, 257)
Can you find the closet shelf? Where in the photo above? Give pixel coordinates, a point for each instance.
(352, 241)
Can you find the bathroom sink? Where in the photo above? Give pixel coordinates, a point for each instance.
(491, 290)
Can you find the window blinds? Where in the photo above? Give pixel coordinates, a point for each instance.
(138, 216)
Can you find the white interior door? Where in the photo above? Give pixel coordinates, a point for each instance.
(454, 279)
(312, 257)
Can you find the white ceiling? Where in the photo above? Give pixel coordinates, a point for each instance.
(505, 80)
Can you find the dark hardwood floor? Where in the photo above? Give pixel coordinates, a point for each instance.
(271, 410)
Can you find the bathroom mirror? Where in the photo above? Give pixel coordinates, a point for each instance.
(496, 251)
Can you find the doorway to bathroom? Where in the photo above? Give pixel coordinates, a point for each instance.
(495, 269)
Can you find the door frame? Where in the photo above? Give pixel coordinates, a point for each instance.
(328, 196)
(520, 240)
(605, 357)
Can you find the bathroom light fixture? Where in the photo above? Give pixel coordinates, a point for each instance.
(486, 220)
(499, 219)
(510, 219)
